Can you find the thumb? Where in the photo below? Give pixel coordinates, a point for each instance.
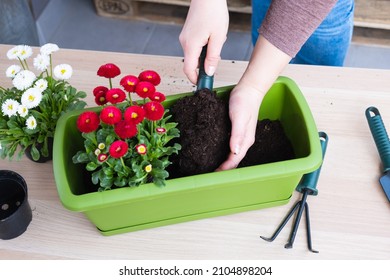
(213, 55)
(238, 133)
(237, 145)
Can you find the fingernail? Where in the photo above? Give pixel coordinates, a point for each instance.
(211, 70)
(236, 150)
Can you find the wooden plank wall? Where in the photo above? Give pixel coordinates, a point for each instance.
(368, 13)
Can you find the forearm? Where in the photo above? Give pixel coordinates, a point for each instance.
(289, 23)
(265, 65)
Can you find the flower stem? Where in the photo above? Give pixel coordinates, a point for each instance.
(51, 66)
(110, 83)
(123, 163)
(152, 126)
(130, 99)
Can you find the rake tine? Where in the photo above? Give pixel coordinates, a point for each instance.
(302, 203)
(281, 226)
(308, 230)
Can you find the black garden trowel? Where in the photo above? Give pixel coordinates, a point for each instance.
(382, 142)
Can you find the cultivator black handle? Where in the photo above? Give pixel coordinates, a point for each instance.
(204, 80)
(309, 181)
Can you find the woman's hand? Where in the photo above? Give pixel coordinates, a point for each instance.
(244, 106)
(264, 67)
(206, 23)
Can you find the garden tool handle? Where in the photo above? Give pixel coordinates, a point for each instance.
(309, 181)
(204, 80)
(380, 136)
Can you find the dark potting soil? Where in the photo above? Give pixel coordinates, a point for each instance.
(204, 124)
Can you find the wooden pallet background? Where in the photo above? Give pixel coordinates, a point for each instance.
(168, 11)
(369, 14)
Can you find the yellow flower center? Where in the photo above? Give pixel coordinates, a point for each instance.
(115, 95)
(141, 149)
(145, 89)
(130, 83)
(63, 71)
(148, 168)
(110, 115)
(134, 115)
(31, 98)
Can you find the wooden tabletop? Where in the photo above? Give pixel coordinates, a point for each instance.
(350, 217)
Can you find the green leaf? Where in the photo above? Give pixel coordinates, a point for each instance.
(120, 182)
(35, 153)
(80, 157)
(91, 166)
(96, 176)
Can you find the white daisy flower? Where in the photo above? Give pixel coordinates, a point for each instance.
(22, 110)
(63, 71)
(31, 122)
(12, 71)
(49, 48)
(41, 62)
(10, 107)
(13, 53)
(24, 79)
(24, 51)
(31, 98)
(41, 85)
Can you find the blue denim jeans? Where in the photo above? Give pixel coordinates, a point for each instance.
(329, 43)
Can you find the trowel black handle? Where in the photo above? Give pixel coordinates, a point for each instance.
(309, 181)
(380, 136)
(204, 80)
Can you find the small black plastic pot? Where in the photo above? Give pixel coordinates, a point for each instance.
(15, 211)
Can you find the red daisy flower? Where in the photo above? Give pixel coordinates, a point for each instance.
(111, 115)
(141, 149)
(118, 149)
(157, 96)
(145, 89)
(102, 157)
(125, 129)
(100, 98)
(99, 90)
(129, 83)
(160, 130)
(154, 111)
(109, 70)
(150, 76)
(88, 121)
(134, 114)
(115, 95)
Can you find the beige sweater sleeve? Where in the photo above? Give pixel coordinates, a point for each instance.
(289, 23)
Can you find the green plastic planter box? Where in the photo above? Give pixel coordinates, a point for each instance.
(193, 197)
